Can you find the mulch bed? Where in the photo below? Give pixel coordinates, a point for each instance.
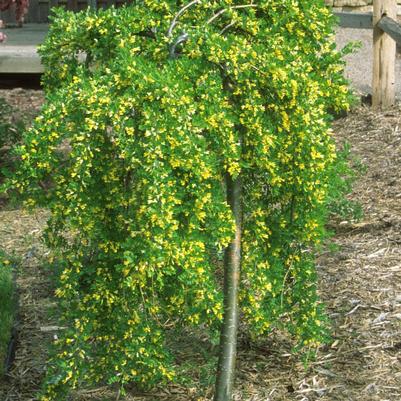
(360, 284)
(25, 102)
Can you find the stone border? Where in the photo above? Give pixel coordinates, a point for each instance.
(356, 5)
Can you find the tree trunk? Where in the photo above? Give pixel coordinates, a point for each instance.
(232, 262)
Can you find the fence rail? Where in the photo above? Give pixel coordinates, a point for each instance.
(355, 20)
(391, 27)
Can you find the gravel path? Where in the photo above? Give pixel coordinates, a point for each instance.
(360, 64)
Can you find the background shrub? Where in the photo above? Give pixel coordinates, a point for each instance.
(7, 307)
(10, 135)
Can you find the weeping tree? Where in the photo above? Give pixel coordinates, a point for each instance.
(184, 152)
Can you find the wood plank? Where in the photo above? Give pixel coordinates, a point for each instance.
(92, 4)
(44, 12)
(391, 27)
(355, 20)
(19, 53)
(33, 11)
(8, 16)
(383, 81)
(20, 63)
(72, 5)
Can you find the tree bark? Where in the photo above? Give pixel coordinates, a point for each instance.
(232, 263)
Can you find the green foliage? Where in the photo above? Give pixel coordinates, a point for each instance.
(143, 120)
(5, 126)
(7, 306)
(10, 134)
(344, 172)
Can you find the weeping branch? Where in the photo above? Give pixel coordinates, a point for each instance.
(181, 39)
(227, 27)
(178, 15)
(222, 11)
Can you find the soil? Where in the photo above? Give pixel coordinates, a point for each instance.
(360, 282)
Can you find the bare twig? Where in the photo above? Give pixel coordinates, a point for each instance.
(217, 15)
(257, 69)
(353, 310)
(180, 12)
(181, 39)
(227, 27)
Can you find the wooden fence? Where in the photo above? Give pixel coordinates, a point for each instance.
(386, 33)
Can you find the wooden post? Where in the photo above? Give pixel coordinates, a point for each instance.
(383, 56)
